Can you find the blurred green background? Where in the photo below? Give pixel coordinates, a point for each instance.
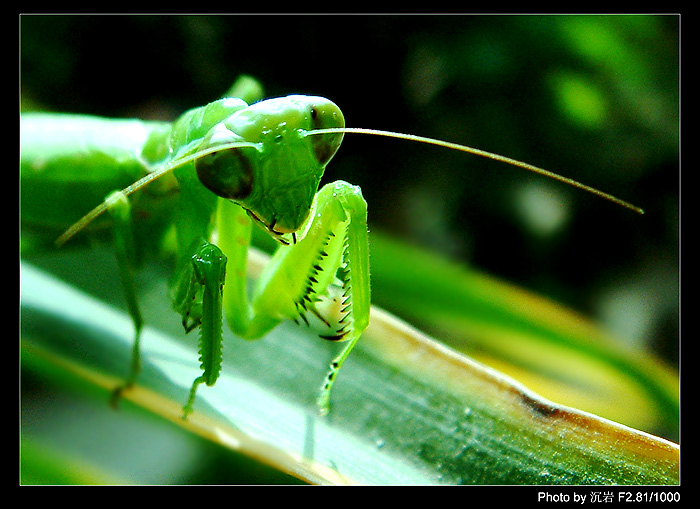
(595, 98)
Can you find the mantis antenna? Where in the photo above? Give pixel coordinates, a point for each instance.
(143, 181)
(102, 207)
(478, 152)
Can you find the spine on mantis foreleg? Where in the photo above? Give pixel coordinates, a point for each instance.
(299, 277)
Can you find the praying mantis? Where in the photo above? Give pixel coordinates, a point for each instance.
(209, 177)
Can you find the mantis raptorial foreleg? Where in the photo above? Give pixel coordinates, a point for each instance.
(197, 295)
(333, 251)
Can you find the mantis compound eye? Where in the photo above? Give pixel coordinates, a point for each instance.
(324, 114)
(226, 173)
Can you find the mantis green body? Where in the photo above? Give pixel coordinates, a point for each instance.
(233, 165)
(210, 176)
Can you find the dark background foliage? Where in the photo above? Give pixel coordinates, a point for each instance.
(593, 97)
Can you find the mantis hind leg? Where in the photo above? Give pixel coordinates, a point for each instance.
(124, 247)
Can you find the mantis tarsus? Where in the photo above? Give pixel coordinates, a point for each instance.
(209, 176)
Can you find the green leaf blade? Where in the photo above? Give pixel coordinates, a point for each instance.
(406, 410)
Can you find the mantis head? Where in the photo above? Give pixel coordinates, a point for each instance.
(276, 175)
(269, 158)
